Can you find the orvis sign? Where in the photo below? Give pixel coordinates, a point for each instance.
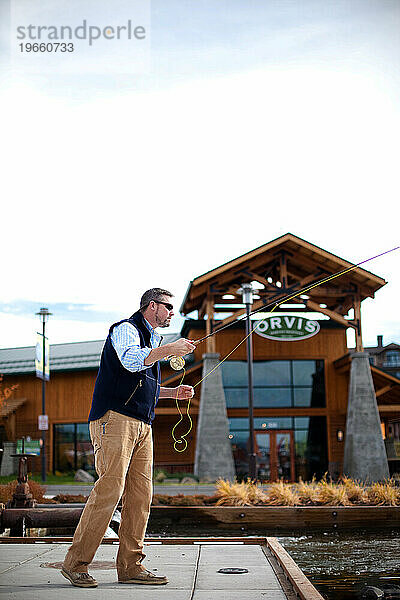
(287, 328)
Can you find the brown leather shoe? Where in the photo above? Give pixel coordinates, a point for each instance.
(83, 580)
(147, 578)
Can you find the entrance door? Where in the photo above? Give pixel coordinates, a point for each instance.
(275, 455)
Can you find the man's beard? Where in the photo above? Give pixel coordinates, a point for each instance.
(164, 323)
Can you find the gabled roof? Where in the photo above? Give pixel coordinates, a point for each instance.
(380, 349)
(63, 357)
(302, 260)
(74, 356)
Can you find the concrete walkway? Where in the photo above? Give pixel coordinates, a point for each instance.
(31, 572)
(170, 490)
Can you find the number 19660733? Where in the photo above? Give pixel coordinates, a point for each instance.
(47, 47)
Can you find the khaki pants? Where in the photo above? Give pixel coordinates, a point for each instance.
(123, 450)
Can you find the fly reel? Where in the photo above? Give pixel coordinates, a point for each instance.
(177, 363)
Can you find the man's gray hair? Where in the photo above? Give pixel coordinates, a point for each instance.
(153, 294)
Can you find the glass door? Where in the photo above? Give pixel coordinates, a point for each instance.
(263, 455)
(284, 451)
(275, 455)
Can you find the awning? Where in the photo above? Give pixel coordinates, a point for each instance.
(10, 406)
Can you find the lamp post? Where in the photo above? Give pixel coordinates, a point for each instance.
(247, 295)
(44, 317)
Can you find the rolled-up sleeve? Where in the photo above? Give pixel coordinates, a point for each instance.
(126, 342)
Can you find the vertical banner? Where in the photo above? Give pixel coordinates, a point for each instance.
(42, 364)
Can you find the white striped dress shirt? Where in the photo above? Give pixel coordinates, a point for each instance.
(126, 341)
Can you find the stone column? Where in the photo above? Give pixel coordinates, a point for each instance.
(213, 457)
(364, 451)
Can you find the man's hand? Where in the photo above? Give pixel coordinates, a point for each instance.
(178, 348)
(183, 392)
(182, 347)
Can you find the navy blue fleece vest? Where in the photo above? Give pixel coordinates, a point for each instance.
(116, 388)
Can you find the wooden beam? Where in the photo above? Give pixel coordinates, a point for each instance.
(389, 408)
(384, 390)
(283, 268)
(173, 410)
(256, 277)
(313, 278)
(239, 313)
(203, 308)
(210, 342)
(331, 292)
(228, 278)
(329, 313)
(357, 319)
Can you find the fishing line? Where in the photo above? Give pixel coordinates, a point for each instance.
(182, 438)
(277, 304)
(178, 363)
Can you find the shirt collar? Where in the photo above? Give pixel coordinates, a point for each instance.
(149, 327)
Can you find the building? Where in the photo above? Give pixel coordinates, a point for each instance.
(386, 358)
(301, 371)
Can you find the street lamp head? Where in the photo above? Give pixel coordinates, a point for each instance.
(44, 314)
(247, 293)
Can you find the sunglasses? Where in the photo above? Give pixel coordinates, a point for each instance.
(166, 304)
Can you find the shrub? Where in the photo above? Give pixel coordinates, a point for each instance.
(233, 494)
(281, 494)
(182, 500)
(307, 492)
(7, 490)
(332, 494)
(70, 498)
(384, 494)
(356, 492)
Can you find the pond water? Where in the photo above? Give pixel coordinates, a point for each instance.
(341, 563)
(338, 563)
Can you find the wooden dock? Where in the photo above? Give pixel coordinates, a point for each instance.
(30, 570)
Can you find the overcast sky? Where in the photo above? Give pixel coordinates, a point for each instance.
(239, 121)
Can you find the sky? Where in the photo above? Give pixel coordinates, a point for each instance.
(147, 165)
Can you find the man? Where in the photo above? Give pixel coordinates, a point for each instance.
(125, 395)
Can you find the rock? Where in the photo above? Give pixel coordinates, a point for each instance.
(82, 475)
(159, 477)
(189, 480)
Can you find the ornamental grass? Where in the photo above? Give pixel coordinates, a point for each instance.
(379, 494)
(239, 494)
(333, 494)
(346, 492)
(355, 490)
(307, 493)
(233, 493)
(282, 494)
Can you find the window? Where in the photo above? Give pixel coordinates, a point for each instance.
(277, 383)
(392, 359)
(73, 449)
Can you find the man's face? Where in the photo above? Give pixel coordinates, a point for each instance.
(163, 315)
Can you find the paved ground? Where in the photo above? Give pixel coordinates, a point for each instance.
(27, 573)
(171, 490)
